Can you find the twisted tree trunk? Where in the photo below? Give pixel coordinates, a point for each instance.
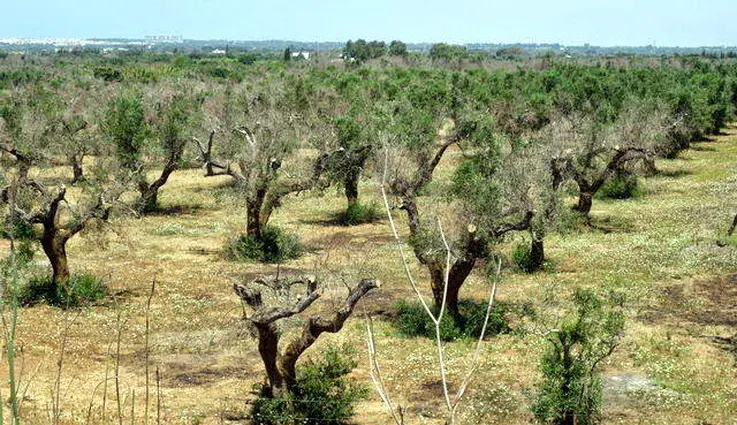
(54, 246)
(351, 188)
(77, 170)
(585, 202)
(537, 253)
(281, 367)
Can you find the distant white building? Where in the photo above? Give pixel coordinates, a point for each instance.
(218, 52)
(301, 55)
(164, 39)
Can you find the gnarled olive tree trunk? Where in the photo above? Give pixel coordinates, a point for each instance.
(55, 235)
(281, 365)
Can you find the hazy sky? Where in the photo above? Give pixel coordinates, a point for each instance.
(610, 22)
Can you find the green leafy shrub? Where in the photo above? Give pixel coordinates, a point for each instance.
(81, 290)
(357, 214)
(23, 234)
(321, 395)
(273, 246)
(411, 320)
(623, 185)
(522, 257)
(571, 391)
(108, 74)
(19, 230)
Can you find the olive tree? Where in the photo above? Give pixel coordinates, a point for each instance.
(77, 120)
(350, 115)
(422, 131)
(260, 128)
(26, 128)
(590, 153)
(268, 313)
(451, 400)
(148, 132)
(59, 224)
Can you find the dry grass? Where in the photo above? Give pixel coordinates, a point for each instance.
(662, 253)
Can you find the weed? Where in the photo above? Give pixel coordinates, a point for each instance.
(274, 246)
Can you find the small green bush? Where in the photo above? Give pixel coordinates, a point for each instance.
(522, 257)
(107, 73)
(571, 391)
(623, 185)
(322, 394)
(357, 214)
(411, 320)
(81, 290)
(273, 246)
(19, 230)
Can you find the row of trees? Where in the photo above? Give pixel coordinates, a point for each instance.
(360, 51)
(524, 136)
(515, 144)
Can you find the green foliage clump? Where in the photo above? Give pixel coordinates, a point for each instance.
(623, 185)
(23, 234)
(126, 126)
(570, 391)
(522, 257)
(82, 289)
(448, 52)
(321, 395)
(274, 246)
(107, 73)
(411, 320)
(357, 214)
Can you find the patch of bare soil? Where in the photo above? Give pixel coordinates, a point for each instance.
(199, 372)
(184, 375)
(425, 399)
(710, 302)
(722, 292)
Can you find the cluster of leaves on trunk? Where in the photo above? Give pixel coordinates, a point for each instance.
(570, 391)
(322, 393)
(411, 320)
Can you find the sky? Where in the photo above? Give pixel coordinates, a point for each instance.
(685, 23)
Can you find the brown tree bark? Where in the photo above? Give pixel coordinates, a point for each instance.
(351, 188)
(733, 226)
(77, 170)
(281, 367)
(55, 235)
(149, 193)
(253, 214)
(54, 246)
(585, 202)
(537, 253)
